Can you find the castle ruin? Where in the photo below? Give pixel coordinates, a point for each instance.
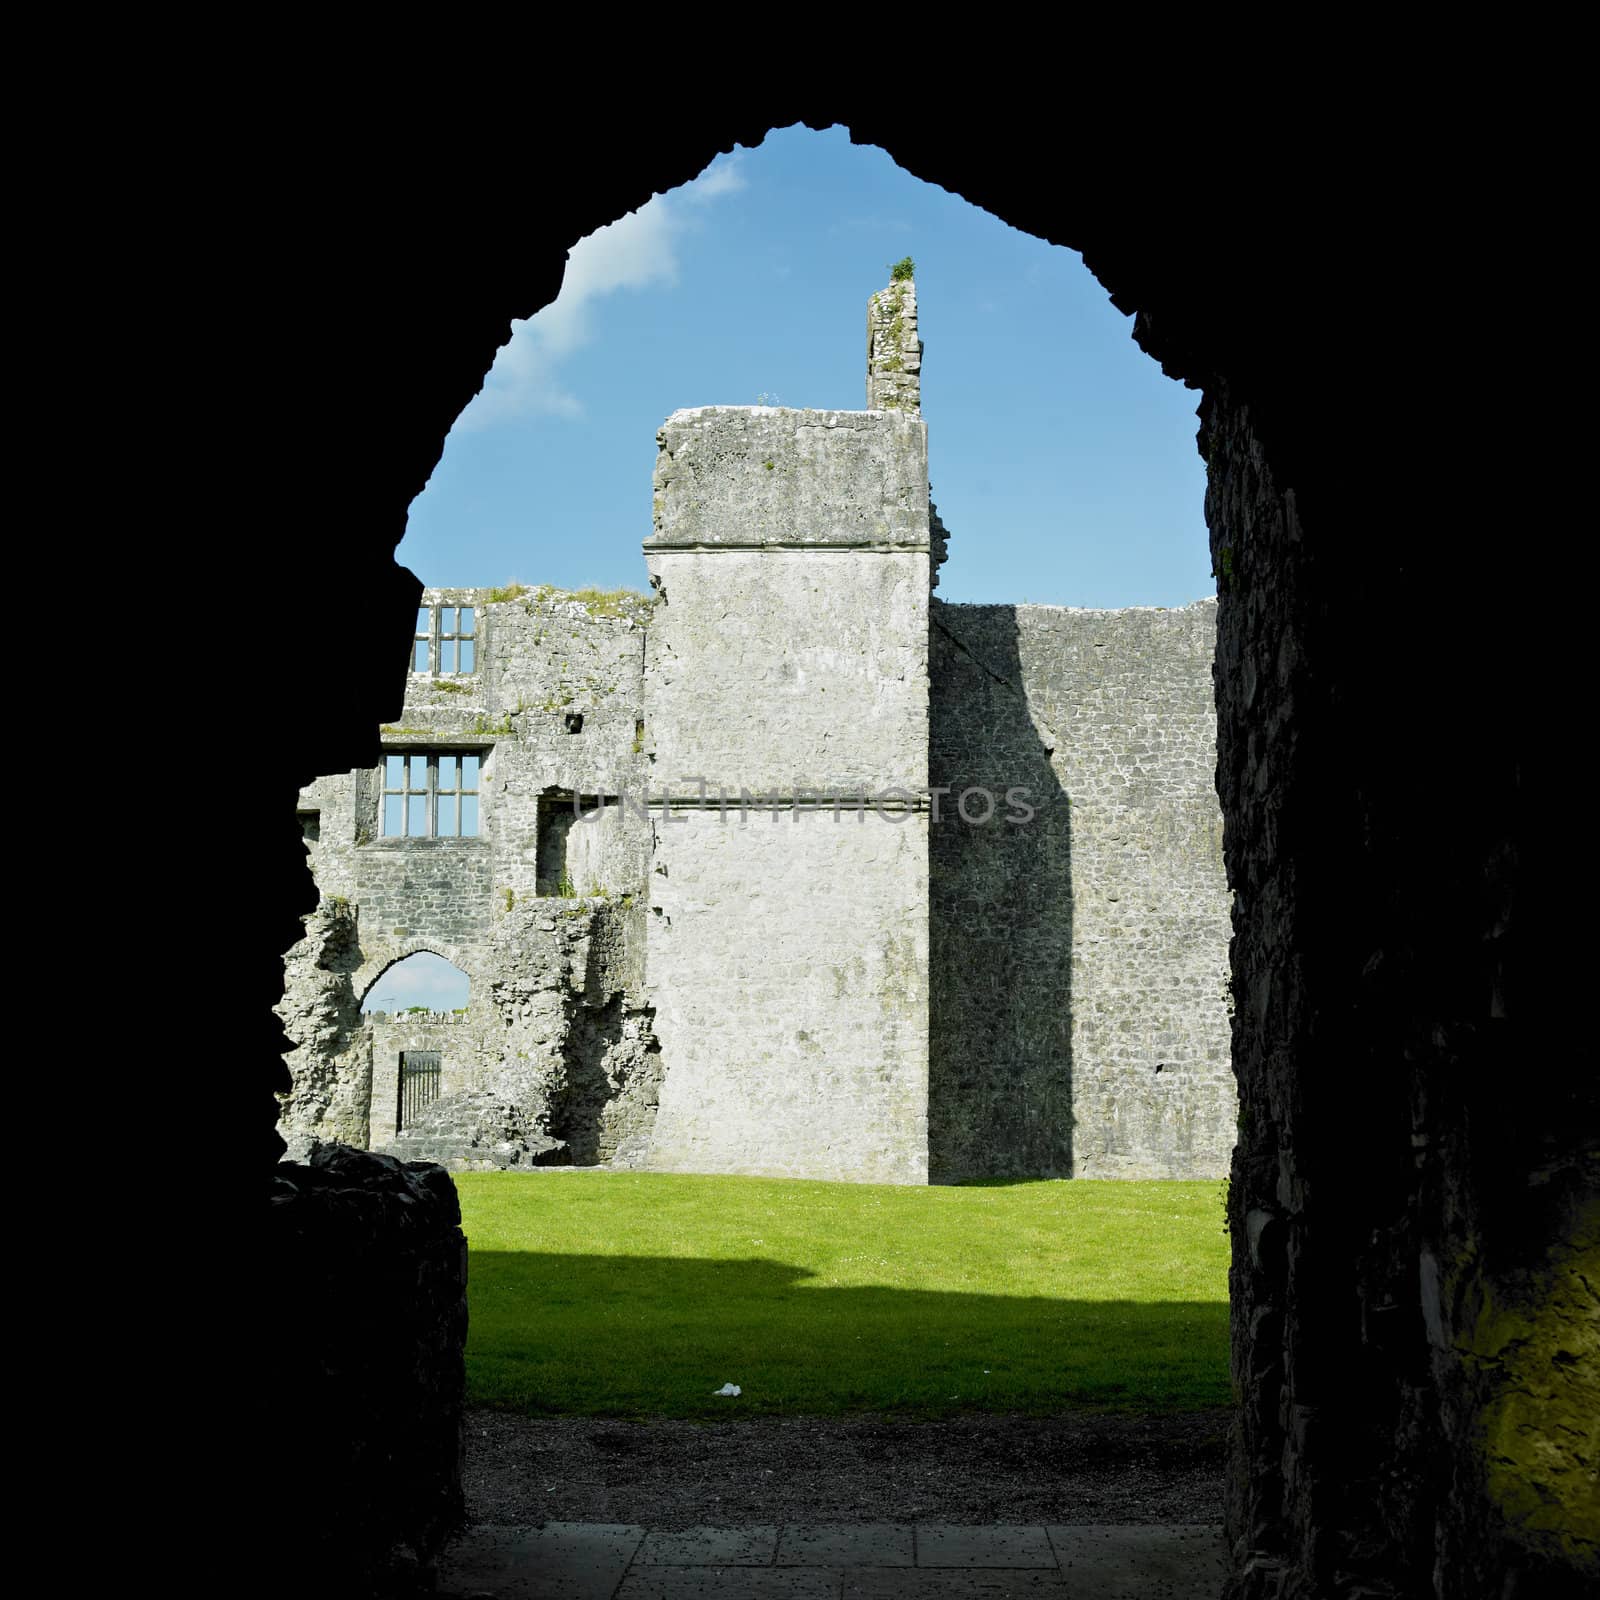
(792, 868)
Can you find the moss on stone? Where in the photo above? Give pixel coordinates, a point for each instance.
(1539, 1345)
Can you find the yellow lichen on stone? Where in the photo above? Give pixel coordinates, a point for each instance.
(1541, 1430)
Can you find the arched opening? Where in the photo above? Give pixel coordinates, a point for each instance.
(1009, 686)
(417, 1016)
(1374, 874)
(422, 983)
(1051, 433)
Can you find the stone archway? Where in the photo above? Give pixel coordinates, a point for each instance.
(381, 955)
(1368, 768)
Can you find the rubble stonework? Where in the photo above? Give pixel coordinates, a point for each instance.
(894, 351)
(367, 1323)
(556, 1005)
(733, 906)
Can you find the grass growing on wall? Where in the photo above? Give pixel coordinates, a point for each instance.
(637, 1294)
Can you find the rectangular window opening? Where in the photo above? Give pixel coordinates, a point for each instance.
(574, 841)
(446, 641)
(430, 794)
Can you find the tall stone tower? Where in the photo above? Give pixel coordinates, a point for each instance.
(787, 685)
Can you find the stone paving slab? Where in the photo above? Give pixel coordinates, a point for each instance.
(947, 1583)
(835, 1561)
(847, 1544)
(729, 1583)
(1141, 1563)
(944, 1545)
(709, 1547)
(553, 1561)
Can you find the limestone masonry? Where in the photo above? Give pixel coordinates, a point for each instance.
(791, 868)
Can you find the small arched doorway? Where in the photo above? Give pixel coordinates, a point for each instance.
(417, 1012)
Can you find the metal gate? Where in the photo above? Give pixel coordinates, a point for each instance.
(419, 1084)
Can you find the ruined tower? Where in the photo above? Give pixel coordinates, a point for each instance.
(792, 869)
(787, 683)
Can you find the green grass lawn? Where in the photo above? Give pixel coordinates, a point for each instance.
(637, 1294)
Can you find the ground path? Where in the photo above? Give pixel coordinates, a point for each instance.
(1076, 1468)
(1083, 1506)
(835, 1561)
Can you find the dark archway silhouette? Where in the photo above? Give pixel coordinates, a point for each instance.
(1388, 1190)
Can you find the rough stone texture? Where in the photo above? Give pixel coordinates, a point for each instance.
(1079, 978)
(750, 477)
(476, 1131)
(555, 1053)
(577, 1049)
(788, 967)
(894, 352)
(938, 545)
(462, 1046)
(366, 1273)
(774, 669)
(330, 1092)
(1415, 1353)
(788, 948)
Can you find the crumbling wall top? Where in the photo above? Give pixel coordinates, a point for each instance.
(894, 351)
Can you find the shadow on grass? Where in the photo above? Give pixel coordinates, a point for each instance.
(633, 1336)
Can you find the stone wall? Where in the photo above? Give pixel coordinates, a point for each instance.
(1078, 910)
(330, 1062)
(462, 1051)
(1415, 1196)
(365, 1278)
(894, 352)
(788, 959)
(553, 709)
(1299, 357)
(780, 710)
(1079, 979)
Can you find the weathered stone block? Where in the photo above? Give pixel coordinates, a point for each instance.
(753, 476)
(788, 965)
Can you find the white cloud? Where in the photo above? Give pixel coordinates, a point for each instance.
(724, 177)
(638, 251)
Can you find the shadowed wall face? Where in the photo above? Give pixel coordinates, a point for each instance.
(1000, 904)
(1080, 988)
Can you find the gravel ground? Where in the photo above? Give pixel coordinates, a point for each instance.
(1072, 1468)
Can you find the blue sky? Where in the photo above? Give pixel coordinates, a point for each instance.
(1062, 461)
(420, 980)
